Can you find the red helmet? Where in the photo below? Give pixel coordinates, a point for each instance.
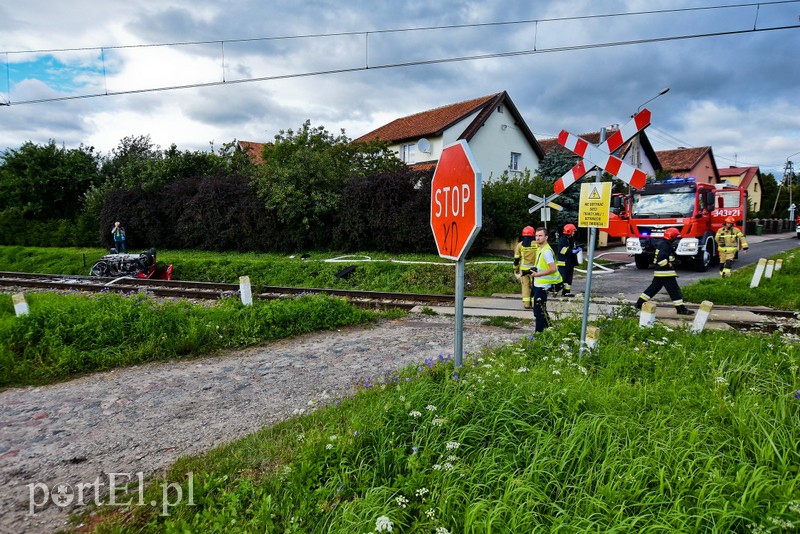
(528, 231)
(729, 219)
(671, 233)
(569, 229)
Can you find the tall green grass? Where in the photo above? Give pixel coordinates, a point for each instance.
(655, 430)
(66, 335)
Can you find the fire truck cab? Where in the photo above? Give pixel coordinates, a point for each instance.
(697, 210)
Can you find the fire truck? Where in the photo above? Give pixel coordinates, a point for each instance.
(697, 210)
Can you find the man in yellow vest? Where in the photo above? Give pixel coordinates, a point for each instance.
(524, 263)
(729, 240)
(545, 276)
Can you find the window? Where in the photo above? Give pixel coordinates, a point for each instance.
(407, 153)
(500, 108)
(513, 166)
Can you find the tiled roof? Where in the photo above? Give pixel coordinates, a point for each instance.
(682, 159)
(746, 173)
(431, 122)
(548, 145)
(253, 150)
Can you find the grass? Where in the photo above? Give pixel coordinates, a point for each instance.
(781, 291)
(654, 431)
(384, 272)
(67, 335)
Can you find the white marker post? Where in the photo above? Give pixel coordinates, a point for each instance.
(758, 272)
(700, 319)
(778, 265)
(770, 269)
(648, 316)
(245, 290)
(20, 306)
(592, 336)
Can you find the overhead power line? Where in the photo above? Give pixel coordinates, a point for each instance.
(474, 57)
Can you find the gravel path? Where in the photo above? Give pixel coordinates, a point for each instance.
(141, 419)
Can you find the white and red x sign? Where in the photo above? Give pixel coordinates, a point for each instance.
(600, 156)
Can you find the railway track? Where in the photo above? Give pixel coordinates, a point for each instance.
(213, 290)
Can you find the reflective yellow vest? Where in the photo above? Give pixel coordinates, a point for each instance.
(542, 265)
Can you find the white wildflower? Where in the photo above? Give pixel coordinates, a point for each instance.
(523, 370)
(430, 408)
(430, 513)
(452, 445)
(401, 501)
(415, 414)
(422, 492)
(438, 421)
(383, 524)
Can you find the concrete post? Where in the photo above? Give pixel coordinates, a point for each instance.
(648, 316)
(762, 263)
(245, 290)
(770, 268)
(592, 336)
(700, 319)
(20, 306)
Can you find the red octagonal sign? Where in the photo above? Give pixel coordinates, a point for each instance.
(455, 201)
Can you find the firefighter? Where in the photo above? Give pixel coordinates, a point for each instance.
(665, 276)
(567, 257)
(524, 262)
(729, 240)
(545, 276)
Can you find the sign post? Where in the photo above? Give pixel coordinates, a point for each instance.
(456, 219)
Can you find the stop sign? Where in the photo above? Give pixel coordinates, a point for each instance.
(455, 201)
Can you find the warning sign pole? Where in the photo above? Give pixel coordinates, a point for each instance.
(592, 238)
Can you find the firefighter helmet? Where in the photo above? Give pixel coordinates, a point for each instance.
(671, 233)
(528, 231)
(569, 229)
(729, 219)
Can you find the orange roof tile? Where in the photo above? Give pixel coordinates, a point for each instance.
(253, 150)
(682, 159)
(431, 122)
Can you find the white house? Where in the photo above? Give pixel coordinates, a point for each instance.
(497, 135)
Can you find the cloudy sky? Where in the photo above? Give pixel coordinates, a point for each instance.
(199, 74)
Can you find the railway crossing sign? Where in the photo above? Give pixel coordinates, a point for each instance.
(456, 201)
(600, 156)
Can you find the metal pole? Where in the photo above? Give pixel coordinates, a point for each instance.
(590, 258)
(459, 339)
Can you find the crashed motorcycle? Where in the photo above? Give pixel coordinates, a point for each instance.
(142, 265)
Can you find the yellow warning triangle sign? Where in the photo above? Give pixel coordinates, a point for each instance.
(594, 195)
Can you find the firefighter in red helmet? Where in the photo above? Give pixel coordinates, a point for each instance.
(524, 263)
(729, 240)
(567, 252)
(665, 275)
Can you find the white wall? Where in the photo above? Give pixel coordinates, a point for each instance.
(491, 146)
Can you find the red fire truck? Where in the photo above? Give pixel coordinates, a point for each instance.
(697, 210)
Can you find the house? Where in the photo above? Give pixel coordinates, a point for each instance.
(638, 152)
(252, 149)
(748, 178)
(498, 136)
(690, 162)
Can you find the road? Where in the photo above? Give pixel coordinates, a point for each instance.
(628, 282)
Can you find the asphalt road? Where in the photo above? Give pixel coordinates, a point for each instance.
(628, 282)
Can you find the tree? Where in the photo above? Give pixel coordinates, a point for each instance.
(45, 182)
(304, 173)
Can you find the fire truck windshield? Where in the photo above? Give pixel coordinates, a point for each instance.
(672, 204)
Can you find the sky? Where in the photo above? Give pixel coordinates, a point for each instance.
(201, 74)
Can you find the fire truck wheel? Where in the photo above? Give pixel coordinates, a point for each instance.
(705, 256)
